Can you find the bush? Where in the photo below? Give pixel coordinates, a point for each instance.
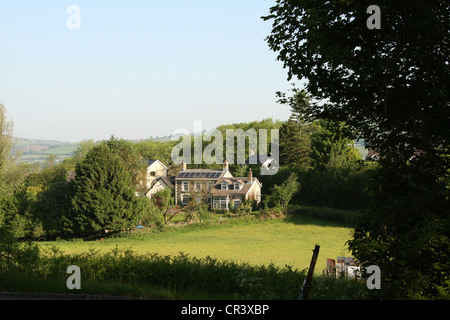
(150, 215)
(338, 215)
(270, 213)
(186, 275)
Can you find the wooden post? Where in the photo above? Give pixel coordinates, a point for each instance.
(307, 283)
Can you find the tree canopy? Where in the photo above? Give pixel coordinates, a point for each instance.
(103, 193)
(390, 85)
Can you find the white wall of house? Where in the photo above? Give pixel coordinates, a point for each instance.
(159, 185)
(155, 171)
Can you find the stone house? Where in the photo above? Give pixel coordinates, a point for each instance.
(219, 186)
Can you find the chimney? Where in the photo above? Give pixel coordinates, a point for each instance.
(183, 164)
(250, 176)
(225, 165)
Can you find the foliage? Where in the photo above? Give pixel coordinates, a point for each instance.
(7, 161)
(390, 86)
(282, 194)
(150, 215)
(103, 195)
(331, 145)
(245, 207)
(345, 217)
(407, 237)
(296, 133)
(6, 138)
(162, 199)
(188, 275)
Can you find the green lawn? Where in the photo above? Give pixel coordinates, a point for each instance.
(288, 241)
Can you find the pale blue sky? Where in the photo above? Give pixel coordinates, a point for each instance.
(136, 68)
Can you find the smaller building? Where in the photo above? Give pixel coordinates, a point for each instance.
(155, 170)
(160, 184)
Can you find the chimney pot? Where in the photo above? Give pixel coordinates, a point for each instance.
(225, 165)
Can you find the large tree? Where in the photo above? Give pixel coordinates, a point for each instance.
(103, 196)
(296, 133)
(391, 86)
(6, 144)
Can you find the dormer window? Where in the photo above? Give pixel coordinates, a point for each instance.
(224, 186)
(237, 186)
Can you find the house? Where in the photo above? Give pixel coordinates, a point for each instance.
(219, 186)
(157, 178)
(155, 170)
(372, 155)
(160, 184)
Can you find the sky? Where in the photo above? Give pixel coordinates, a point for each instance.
(136, 69)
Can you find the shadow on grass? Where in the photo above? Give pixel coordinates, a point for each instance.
(321, 216)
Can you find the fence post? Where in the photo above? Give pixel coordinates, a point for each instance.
(307, 283)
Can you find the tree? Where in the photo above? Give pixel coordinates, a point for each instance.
(133, 161)
(6, 144)
(83, 150)
(103, 194)
(282, 194)
(295, 144)
(331, 145)
(390, 86)
(406, 232)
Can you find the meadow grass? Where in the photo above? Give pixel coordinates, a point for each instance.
(287, 241)
(230, 258)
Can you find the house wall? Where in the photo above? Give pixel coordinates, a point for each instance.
(205, 185)
(157, 187)
(254, 193)
(159, 171)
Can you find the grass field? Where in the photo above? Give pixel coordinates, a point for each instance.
(287, 241)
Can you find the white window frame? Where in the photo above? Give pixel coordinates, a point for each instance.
(185, 186)
(220, 204)
(197, 186)
(224, 186)
(183, 197)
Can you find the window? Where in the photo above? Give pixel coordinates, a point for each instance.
(236, 203)
(220, 204)
(224, 186)
(185, 199)
(237, 186)
(210, 185)
(152, 173)
(185, 186)
(197, 186)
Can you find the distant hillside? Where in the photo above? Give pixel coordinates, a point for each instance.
(36, 151)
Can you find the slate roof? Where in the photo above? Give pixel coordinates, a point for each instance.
(200, 174)
(216, 190)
